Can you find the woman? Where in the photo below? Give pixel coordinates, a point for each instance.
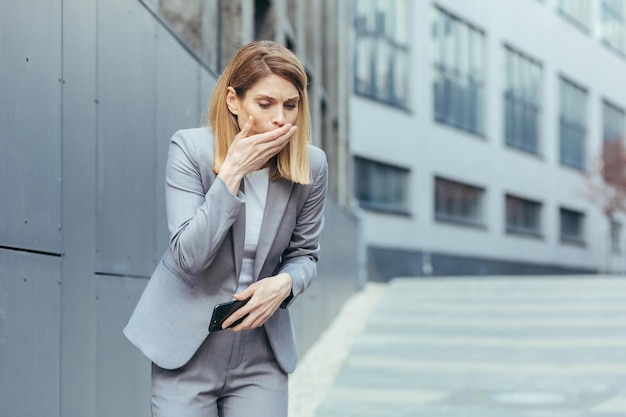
(245, 201)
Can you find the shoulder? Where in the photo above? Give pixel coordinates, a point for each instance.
(316, 155)
(198, 140)
(317, 158)
(193, 150)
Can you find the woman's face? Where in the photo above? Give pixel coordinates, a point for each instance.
(272, 101)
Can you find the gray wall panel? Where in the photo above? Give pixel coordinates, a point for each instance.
(177, 84)
(337, 276)
(123, 373)
(126, 138)
(30, 304)
(30, 139)
(207, 83)
(78, 332)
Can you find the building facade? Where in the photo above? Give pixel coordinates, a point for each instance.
(92, 91)
(472, 127)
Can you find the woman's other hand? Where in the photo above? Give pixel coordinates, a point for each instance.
(267, 296)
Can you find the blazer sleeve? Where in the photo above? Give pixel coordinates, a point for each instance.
(300, 258)
(197, 221)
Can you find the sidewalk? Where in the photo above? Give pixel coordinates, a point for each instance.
(472, 347)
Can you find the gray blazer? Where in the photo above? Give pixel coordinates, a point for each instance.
(202, 264)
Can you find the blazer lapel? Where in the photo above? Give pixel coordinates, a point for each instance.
(278, 194)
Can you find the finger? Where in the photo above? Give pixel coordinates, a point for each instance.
(247, 128)
(290, 133)
(277, 145)
(273, 146)
(275, 134)
(244, 294)
(226, 323)
(283, 139)
(254, 316)
(244, 325)
(233, 318)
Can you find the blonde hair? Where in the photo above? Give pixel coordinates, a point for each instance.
(254, 61)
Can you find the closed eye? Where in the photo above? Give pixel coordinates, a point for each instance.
(291, 103)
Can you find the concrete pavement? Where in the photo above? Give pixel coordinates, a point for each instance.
(488, 347)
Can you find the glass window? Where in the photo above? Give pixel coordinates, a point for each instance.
(576, 11)
(523, 216)
(459, 73)
(612, 24)
(458, 203)
(572, 124)
(381, 53)
(196, 23)
(522, 96)
(616, 237)
(572, 226)
(613, 122)
(613, 149)
(381, 186)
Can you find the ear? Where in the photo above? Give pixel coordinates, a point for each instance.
(231, 100)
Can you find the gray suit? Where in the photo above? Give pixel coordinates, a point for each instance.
(202, 264)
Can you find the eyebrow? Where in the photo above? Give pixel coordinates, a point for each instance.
(267, 97)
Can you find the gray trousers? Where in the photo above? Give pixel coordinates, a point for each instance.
(231, 375)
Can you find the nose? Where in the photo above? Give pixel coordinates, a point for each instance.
(279, 118)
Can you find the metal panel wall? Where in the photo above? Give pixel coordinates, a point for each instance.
(123, 373)
(30, 159)
(177, 83)
(78, 333)
(207, 82)
(30, 312)
(96, 102)
(177, 86)
(126, 131)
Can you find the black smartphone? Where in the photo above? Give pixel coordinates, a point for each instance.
(222, 311)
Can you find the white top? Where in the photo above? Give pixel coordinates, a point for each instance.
(255, 186)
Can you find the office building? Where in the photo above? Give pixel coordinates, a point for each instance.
(472, 127)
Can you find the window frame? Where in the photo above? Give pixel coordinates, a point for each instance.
(527, 90)
(580, 239)
(620, 18)
(581, 22)
(573, 124)
(618, 113)
(525, 205)
(615, 228)
(459, 80)
(152, 6)
(458, 192)
(400, 175)
(394, 87)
